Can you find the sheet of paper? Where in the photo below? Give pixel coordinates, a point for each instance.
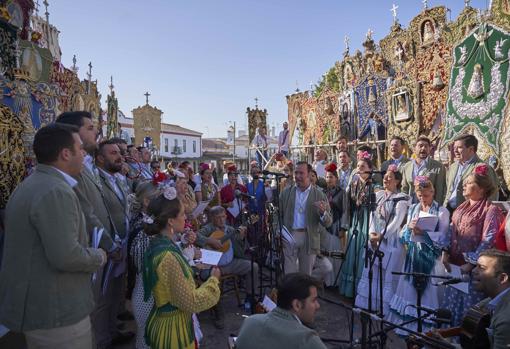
(209, 257)
(236, 209)
(462, 286)
(199, 209)
(427, 222)
(287, 236)
(97, 233)
(268, 304)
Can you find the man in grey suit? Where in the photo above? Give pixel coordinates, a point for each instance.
(464, 148)
(90, 193)
(423, 165)
(109, 163)
(397, 157)
(304, 209)
(492, 277)
(286, 325)
(45, 280)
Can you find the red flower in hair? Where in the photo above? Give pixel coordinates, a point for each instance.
(482, 170)
(232, 169)
(159, 177)
(330, 167)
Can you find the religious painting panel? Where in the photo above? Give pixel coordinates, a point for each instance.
(403, 107)
(371, 108)
(347, 122)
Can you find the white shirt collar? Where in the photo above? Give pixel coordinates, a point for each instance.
(70, 180)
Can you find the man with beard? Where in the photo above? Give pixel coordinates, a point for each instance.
(492, 277)
(396, 154)
(466, 159)
(109, 163)
(344, 169)
(286, 326)
(97, 216)
(423, 165)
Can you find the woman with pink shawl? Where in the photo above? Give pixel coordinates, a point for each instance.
(473, 230)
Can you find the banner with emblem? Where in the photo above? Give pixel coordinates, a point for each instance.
(479, 85)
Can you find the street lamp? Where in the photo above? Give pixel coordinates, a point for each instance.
(234, 141)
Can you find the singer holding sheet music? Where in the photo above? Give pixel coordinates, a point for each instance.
(475, 223)
(423, 251)
(232, 203)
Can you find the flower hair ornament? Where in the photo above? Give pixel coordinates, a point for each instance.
(482, 170)
(364, 155)
(169, 193)
(392, 168)
(159, 177)
(421, 181)
(147, 219)
(331, 167)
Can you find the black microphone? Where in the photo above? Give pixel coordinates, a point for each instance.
(463, 278)
(239, 193)
(440, 313)
(402, 198)
(277, 174)
(373, 172)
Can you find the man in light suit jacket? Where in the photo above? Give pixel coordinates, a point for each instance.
(109, 163)
(304, 209)
(423, 165)
(45, 280)
(492, 277)
(464, 148)
(397, 157)
(286, 325)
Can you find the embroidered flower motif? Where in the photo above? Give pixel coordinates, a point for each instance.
(392, 168)
(364, 155)
(169, 193)
(482, 170)
(147, 219)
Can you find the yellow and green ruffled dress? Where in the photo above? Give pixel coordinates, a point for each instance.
(170, 279)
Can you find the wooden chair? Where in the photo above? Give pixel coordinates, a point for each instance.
(235, 287)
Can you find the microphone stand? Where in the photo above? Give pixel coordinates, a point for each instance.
(421, 280)
(379, 255)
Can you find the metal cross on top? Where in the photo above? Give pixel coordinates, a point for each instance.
(467, 3)
(256, 102)
(111, 85)
(346, 42)
(147, 94)
(89, 74)
(75, 68)
(394, 10)
(370, 32)
(425, 4)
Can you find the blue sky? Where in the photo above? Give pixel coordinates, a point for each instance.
(205, 61)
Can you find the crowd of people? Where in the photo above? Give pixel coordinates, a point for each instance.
(100, 222)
